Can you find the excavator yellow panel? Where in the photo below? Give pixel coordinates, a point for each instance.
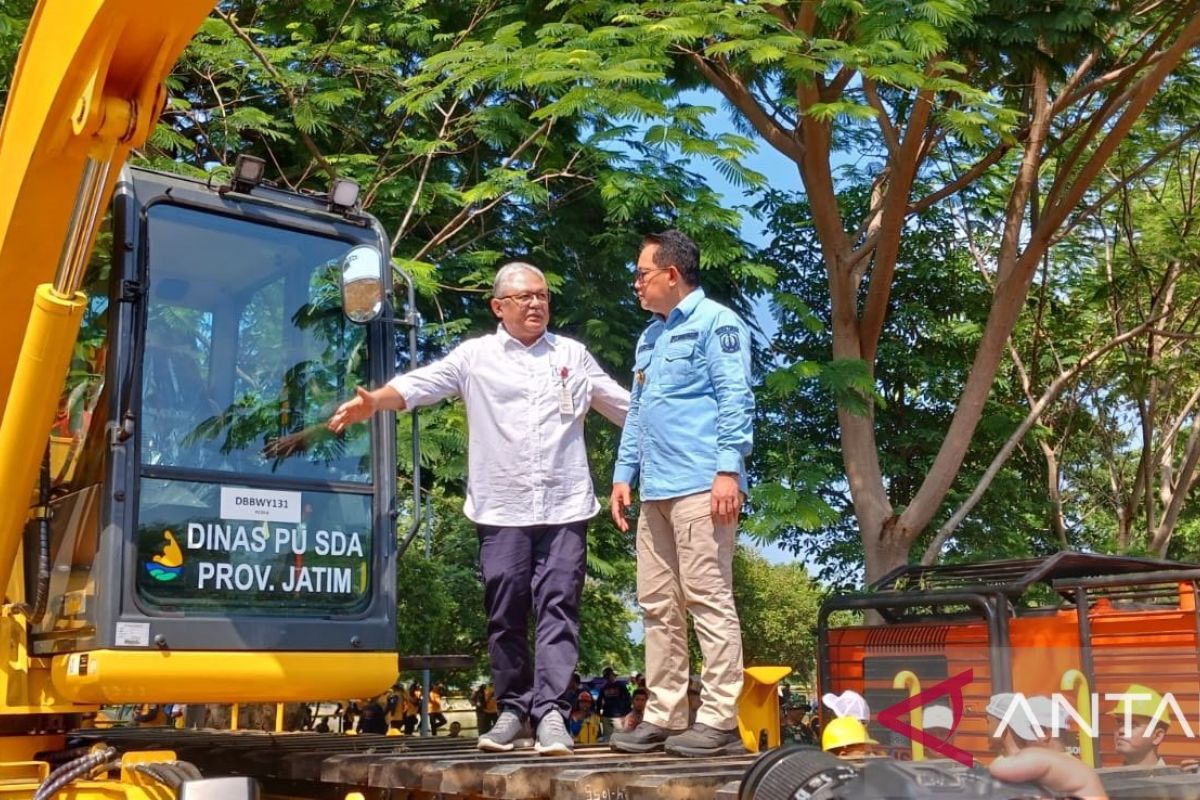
(130, 676)
(87, 85)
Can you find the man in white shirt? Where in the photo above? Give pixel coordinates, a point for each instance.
(529, 490)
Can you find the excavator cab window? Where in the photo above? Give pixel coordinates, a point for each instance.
(247, 502)
(247, 351)
(201, 504)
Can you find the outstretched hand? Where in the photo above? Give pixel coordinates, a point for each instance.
(357, 409)
(1055, 772)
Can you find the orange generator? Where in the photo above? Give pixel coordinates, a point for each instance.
(1074, 627)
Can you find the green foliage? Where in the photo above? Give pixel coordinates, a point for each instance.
(439, 596)
(1135, 265)
(477, 138)
(604, 621)
(852, 385)
(14, 19)
(925, 353)
(558, 133)
(786, 510)
(777, 605)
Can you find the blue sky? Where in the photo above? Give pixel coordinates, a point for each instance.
(782, 173)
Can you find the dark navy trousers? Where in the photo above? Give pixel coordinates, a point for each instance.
(536, 568)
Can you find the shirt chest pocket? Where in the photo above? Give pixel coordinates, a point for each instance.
(679, 363)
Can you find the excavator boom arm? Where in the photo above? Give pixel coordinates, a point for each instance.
(87, 89)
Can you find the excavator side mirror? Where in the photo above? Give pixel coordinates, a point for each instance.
(362, 284)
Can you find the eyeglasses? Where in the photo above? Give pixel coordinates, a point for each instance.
(527, 298)
(641, 276)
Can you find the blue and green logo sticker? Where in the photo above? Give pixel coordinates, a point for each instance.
(168, 564)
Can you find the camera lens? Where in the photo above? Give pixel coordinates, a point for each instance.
(799, 772)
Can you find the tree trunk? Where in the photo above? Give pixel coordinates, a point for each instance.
(1166, 526)
(886, 539)
(1054, 491)
(887, 550)
(1014, 274)
(872, 509)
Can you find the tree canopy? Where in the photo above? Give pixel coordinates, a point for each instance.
(980, 275)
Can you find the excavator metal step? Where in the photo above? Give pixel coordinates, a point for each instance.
(320, 766)
(317, 766)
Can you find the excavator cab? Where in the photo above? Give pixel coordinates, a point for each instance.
(204, 537)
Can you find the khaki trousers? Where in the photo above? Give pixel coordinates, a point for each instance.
(685, 561)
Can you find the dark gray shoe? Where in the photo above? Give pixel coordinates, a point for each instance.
(509, 732)
(701, 741)
(552, 736)
(645, 738)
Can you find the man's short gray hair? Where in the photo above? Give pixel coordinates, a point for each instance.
(508, 271)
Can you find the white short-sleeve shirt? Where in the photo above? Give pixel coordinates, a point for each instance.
(527, 462)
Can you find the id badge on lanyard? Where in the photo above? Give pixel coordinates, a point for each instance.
(566, 403)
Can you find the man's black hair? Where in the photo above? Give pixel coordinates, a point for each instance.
(676, 248)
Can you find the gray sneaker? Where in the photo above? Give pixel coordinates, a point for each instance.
(509, 732)
(552, 736)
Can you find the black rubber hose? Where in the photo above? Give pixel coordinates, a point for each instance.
(178, 775)
(56, 758)
(43, 568)
(191, 770)
(37, 610)
(74, 770)
(160, 773)
(171, 773)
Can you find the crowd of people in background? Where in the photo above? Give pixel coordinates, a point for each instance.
(599, 707)
(608, 704)
(798, 724)
(1021, 728)
(399, 709)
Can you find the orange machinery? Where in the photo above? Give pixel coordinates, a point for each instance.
(1075, 624)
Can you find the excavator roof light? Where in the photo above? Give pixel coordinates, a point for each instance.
(343, 194)
(248, 172)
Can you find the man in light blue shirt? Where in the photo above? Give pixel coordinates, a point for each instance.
(685, 441)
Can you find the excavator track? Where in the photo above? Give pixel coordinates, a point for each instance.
(316, 766)
(330, 766)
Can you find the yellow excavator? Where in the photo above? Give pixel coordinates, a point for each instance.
(164, 345)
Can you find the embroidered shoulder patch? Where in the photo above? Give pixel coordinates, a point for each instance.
(730, 338)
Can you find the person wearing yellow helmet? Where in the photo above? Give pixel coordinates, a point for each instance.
(1140, 727)
(846, 737)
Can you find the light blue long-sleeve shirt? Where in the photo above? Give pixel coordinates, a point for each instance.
(691, 410)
